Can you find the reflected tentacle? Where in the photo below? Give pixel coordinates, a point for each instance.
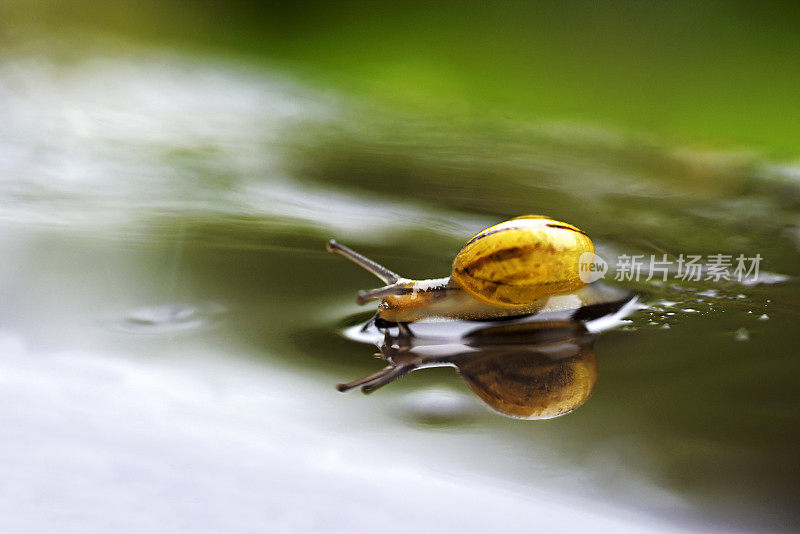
(377, 379)
(396, 372)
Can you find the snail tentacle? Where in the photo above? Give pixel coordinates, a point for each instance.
(387, 276)
(367, 295)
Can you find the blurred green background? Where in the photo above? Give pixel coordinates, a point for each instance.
(715, 74)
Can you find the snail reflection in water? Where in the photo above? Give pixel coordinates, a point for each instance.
(522, 275)
(528, 370)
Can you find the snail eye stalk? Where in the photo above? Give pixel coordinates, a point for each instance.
(387, 276)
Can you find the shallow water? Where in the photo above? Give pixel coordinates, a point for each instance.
(162, 229)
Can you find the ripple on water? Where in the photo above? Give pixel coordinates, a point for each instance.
(168, 318)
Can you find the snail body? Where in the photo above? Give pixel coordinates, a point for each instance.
(512, 268)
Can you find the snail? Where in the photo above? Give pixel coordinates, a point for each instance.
(507, 270)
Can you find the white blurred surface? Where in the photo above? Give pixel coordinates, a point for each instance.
(108, 443)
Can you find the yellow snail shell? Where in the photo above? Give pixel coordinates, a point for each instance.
(512, 264)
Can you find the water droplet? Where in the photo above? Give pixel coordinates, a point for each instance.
(742, 335)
